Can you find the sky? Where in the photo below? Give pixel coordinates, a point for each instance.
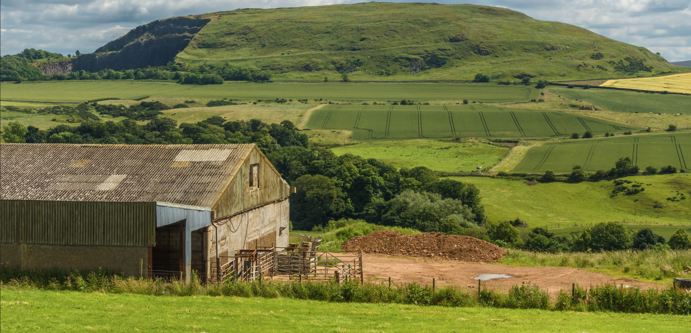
(67, 25)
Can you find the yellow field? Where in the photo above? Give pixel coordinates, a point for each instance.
(680, 83)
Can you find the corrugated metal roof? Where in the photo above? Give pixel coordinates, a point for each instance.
(182, 174)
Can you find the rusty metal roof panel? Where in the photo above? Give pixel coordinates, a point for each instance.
(182, 174)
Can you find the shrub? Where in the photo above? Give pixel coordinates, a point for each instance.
(587, 135)
(671, 128)
(527, 297)
(503, 232)
(577, 175)
(668, 170)
(650, 170)
(679, 240)
(481, 78)
(575, 135)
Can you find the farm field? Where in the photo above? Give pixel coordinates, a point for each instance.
(680, 83)
(628, 101)
(269, 113)
(79, 91)
(600, 154)
(441, 121)
(444, 156)
(27, 310)
(569, 207)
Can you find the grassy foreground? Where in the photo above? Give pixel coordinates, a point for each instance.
(29, 310)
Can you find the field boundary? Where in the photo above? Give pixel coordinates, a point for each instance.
(545, 157)
(634, 153)
(419, 122)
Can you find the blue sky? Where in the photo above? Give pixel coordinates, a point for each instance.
(67, 25)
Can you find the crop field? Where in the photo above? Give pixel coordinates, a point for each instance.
(680, 83)
(79, 91)
(629, 101)
(440, 121)
(601, 154)
(570, 207)
(270, 113)
(27, 310)
(444, 156)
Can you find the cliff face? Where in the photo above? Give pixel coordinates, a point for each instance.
(153, 44)
(55, 67)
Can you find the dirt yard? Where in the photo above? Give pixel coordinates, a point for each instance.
(403, 269)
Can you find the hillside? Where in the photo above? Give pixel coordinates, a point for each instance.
(686, 63)
(381, 41)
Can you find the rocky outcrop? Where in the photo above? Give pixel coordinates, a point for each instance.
(51, 68)
(153, 44)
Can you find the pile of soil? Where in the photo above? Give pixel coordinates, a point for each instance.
(426, 245)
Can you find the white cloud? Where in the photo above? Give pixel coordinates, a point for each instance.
(66, 25)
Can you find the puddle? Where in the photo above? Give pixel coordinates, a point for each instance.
(492, 276)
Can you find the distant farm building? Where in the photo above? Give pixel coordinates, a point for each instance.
(149, 210)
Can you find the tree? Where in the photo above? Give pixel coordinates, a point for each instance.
(671, 128)
(426, 212)
(650, 170)
(548, 177)
(14, 132)
(77, 53)
(575, 135)
(541, 240)
(610, 236)
(577, 175)
(646, 238)
(318, 199)
(679, 240)
(503, 232)
(587, 135)
(623, 167)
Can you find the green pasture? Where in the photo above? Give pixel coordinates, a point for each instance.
(269, 113)
(444, 156)
(600, 154)
(569, 207)
(30, 310)
(42, 121)
(628, 101)
(79, 91)
(441, 121)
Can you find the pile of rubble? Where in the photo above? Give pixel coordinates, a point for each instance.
(426, 245)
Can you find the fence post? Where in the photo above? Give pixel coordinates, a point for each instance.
(362, 273)
(337, 277)
(434, 285)
(573, 293)
(479, 287)
(389, 282)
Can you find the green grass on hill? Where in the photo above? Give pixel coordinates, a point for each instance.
(628, 101)
(441, 121)
(394, 41)
(600, 154)
(571, 206)
(29, 310)
(79, 91)
(445, 156)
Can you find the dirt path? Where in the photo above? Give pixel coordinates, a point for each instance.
(378, 268)
(306, 116)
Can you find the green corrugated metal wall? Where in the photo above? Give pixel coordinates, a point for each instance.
(78, 223)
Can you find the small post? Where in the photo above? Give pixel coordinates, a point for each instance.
(434, 285)
(362, 273)
(573, 293)
(389, 282)
(479, 287)
(337, 277)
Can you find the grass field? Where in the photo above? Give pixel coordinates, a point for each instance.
(440, 121)
(628, 101)
(28, 310)
(600, 154)
(680, 83)
(568, 207)
(79, 91)
(445, 156)
(270, 113)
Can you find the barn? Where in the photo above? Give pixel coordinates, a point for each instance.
(142, 210)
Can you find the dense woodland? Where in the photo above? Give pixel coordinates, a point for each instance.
(334, 187)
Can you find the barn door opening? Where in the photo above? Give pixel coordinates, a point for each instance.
(168, 254)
